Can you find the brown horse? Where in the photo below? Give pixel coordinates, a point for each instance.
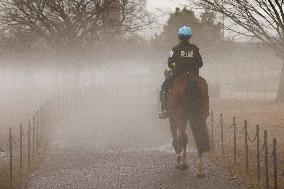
(188, 101)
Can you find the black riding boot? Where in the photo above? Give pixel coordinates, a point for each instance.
(164, 94)
(163, 98)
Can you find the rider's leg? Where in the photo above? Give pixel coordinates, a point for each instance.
(163, 98)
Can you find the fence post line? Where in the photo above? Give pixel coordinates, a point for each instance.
(212, 129)
(275, 174)
(235, 140)
(257, 154)
(222, 134)
(266, 170)
(21, 149)
(11, 157)
(29, 144)
(246, 146)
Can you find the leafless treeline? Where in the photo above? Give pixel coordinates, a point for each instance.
(71, 23)
(259, 19)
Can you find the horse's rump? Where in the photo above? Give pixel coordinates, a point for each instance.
(189, 100)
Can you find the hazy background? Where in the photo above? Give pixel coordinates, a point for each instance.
(30, 74)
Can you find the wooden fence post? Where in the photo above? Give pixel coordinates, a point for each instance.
(275, 164)
(21, 149)
(29, 145)
(212, 128)
(33, 137)
(222, 134)
(246, 146)
(257, 154)
(38, 129)
(266, 169)
(235, 140)
(11, 156)
(47, 113)
(41, 121)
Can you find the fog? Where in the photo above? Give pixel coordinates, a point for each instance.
(26, 83)
(83, 79)
(111, 105)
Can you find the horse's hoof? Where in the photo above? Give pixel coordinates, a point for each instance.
(178, 167)
(184, 167)
(200, 175)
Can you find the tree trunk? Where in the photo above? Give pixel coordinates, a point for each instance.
(280, 94)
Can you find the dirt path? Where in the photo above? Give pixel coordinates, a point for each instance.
(127, 147)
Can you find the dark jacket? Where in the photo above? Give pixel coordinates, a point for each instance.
(186, 58)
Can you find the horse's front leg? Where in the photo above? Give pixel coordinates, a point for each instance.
(200, 133)
(180, 125)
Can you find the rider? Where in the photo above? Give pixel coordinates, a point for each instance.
(184, 57)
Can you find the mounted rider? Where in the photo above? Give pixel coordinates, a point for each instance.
(183, 58)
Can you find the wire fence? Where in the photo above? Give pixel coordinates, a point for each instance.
(248, 148)
(28, 141)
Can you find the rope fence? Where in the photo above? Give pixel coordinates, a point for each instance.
(246, 146)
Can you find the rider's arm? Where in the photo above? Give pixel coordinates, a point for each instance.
(172, 60)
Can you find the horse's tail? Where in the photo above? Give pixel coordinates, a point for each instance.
(197, 100)
(197, 97)
(193, 98)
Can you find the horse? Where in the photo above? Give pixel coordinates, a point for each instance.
(188, 101)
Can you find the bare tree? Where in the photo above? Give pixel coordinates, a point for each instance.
(260, 19)
(73, 23)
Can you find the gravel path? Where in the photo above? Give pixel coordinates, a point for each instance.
(118, 144)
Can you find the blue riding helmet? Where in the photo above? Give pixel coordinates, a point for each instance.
(184, 33)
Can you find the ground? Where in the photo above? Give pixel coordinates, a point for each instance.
(118, 143)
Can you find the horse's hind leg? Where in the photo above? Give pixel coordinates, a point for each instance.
(200, 133)
(182, 138)
(180, 124)
(175, 142)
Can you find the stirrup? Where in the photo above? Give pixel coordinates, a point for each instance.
(163, 115)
